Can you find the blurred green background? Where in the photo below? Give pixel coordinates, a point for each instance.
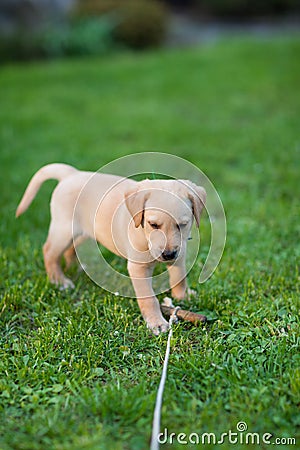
(35, 29)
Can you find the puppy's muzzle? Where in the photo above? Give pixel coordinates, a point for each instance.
(169, 255)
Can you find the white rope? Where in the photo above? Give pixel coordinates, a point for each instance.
(157, 410)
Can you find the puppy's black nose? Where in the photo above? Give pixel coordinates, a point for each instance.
(168, 255)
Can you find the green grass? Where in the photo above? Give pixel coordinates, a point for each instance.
(78, 370)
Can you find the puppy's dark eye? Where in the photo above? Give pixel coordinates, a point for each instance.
(155, 226)
(180, 226)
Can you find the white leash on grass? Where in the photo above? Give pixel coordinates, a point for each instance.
(157, 410)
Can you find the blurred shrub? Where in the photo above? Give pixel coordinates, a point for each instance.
(85, 37)
(21, 46)
(141, 23)
(94, 27)
(245, 8)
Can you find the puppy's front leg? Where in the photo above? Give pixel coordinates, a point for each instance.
(177, 277)
(141, 277)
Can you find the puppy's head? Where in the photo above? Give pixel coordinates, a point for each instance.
(165, 210)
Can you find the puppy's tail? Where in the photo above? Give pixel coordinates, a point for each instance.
(51, 171)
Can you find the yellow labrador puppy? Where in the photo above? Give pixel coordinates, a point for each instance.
(145, 222)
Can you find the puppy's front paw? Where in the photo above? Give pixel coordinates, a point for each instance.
(158, 327)
(66, 283)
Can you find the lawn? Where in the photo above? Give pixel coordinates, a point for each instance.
(78, 369)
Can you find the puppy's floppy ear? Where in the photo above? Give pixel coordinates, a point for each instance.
(135, 201)
(197, 195)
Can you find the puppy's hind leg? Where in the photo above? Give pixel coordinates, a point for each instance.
(70, 253)
(58, 241)
(70, 256)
